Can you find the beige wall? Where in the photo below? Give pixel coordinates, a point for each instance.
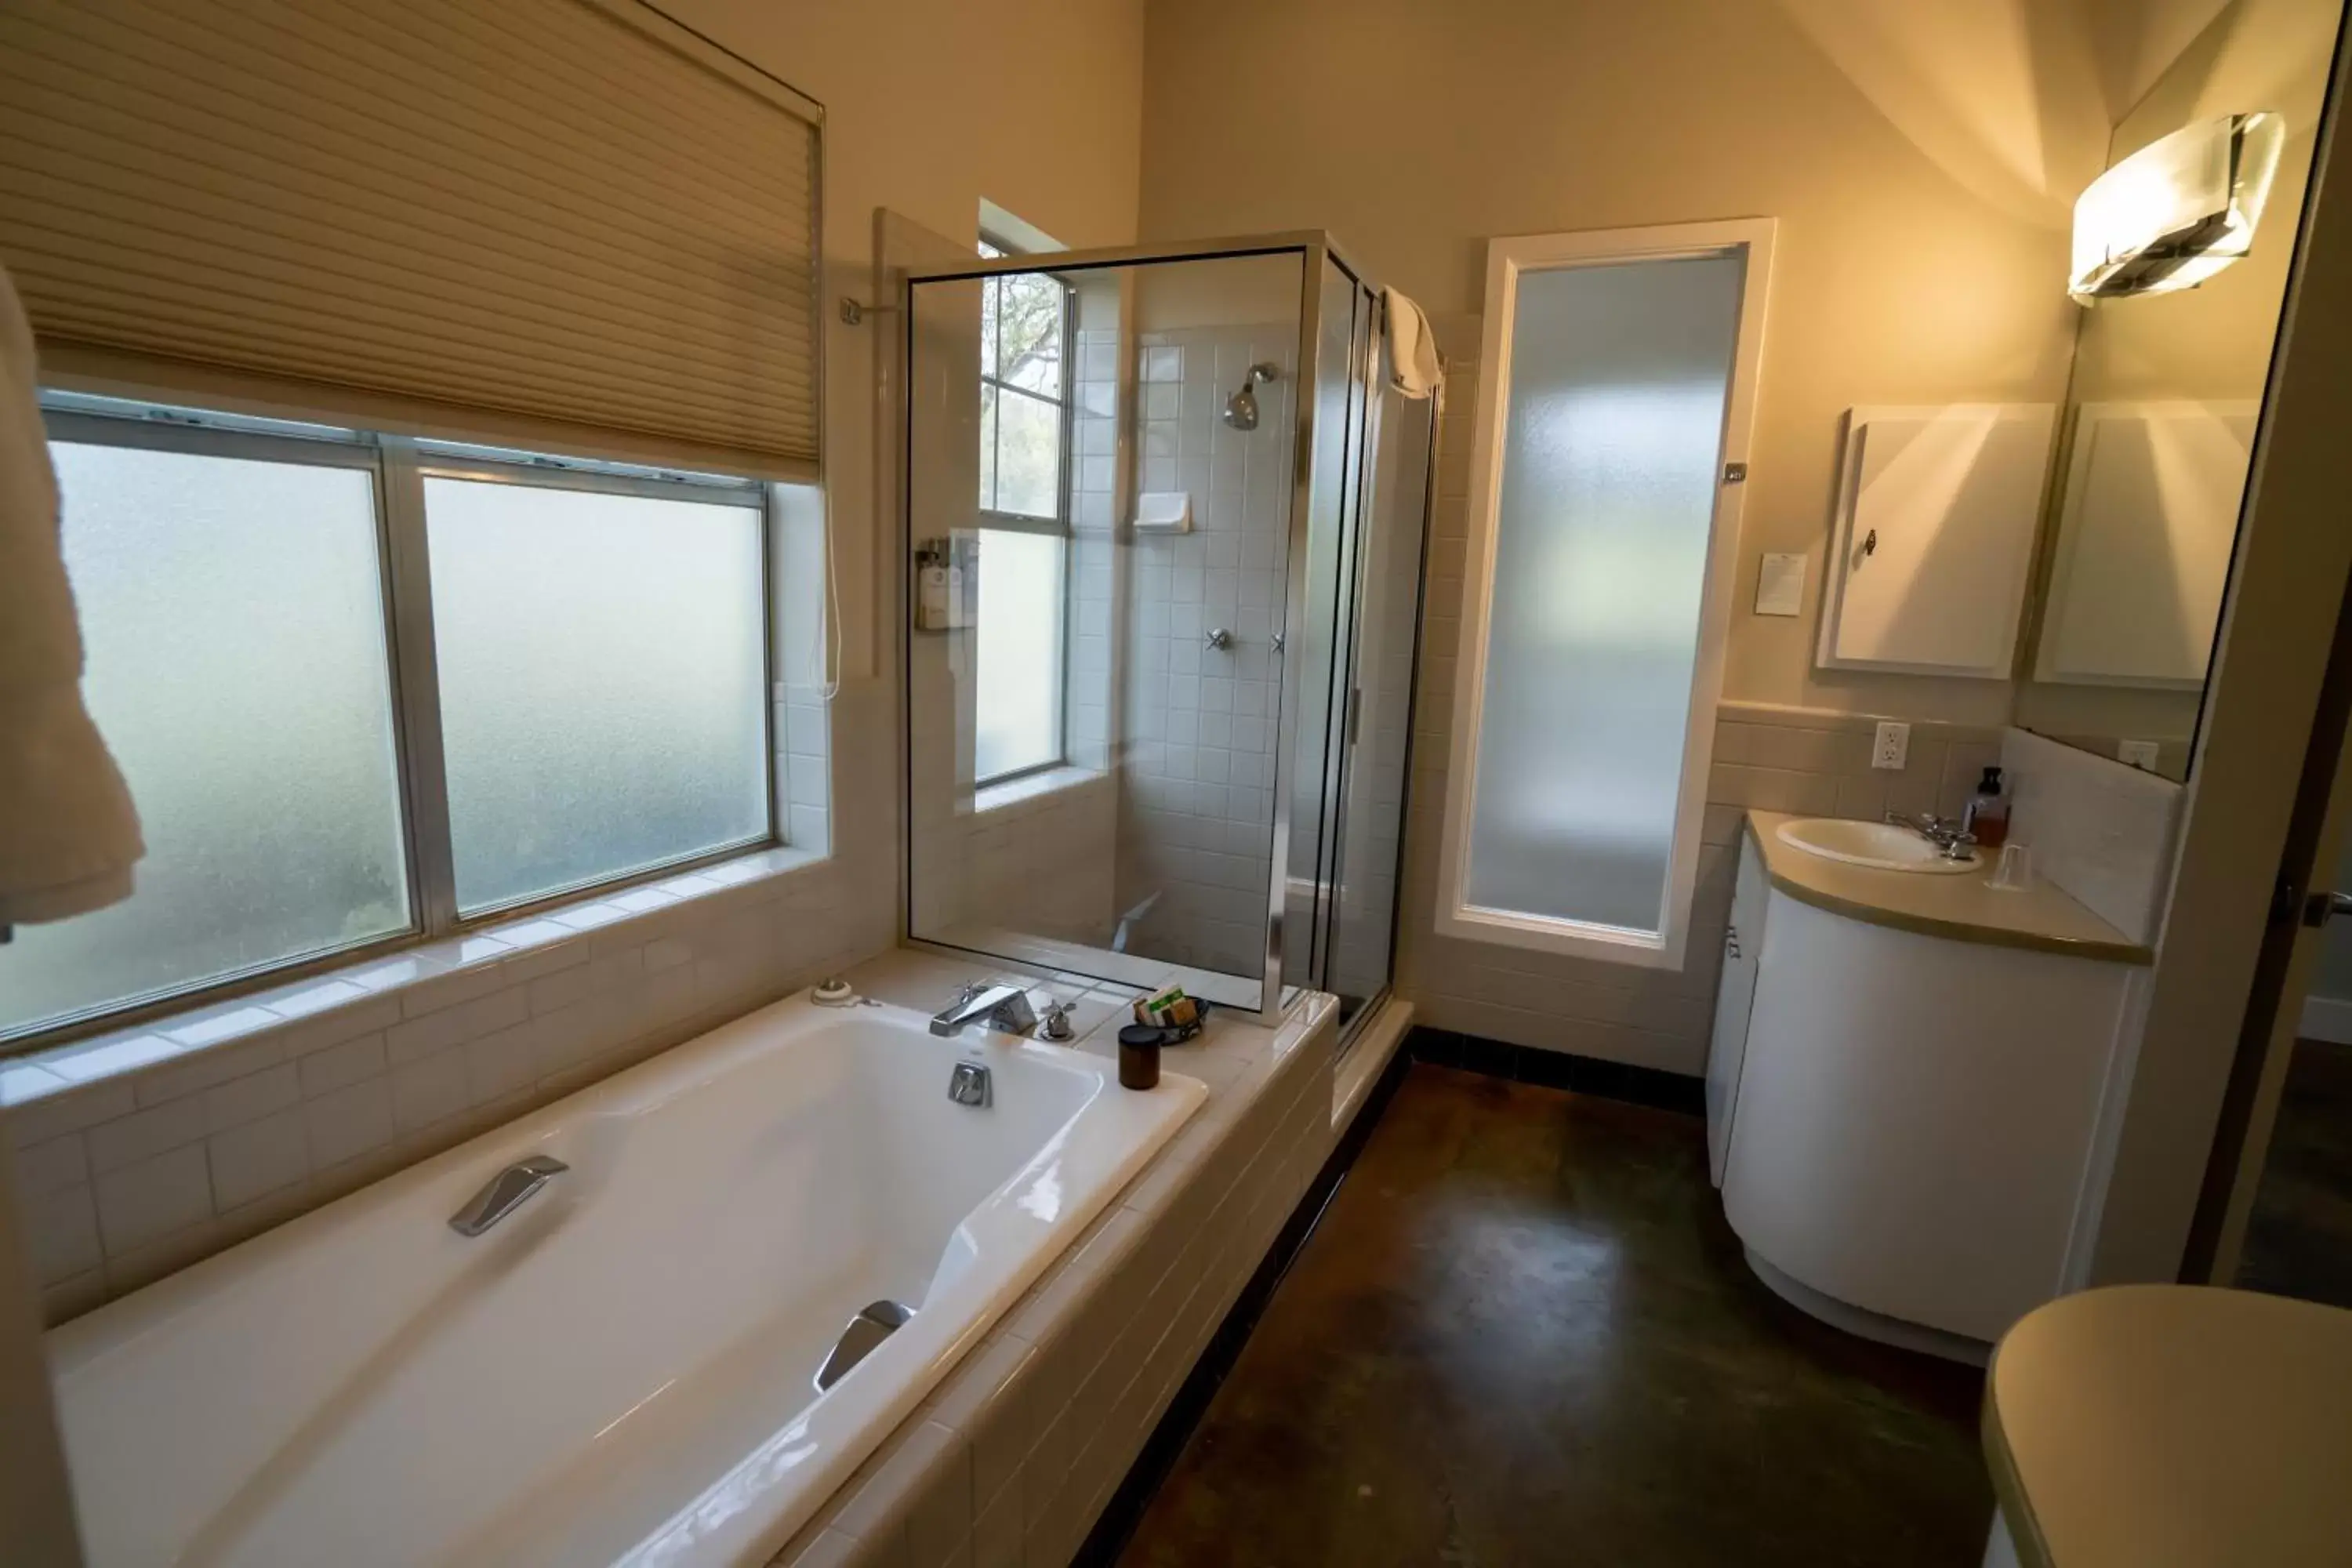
(1922, 161)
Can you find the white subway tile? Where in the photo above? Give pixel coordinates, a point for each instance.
(153, 1199)
(349, 1122)
(61, 1234)
(255, 1095)
(143, 1134)
(426, 1090)
(86, 1063)
(258, 1158)
(225, 1026)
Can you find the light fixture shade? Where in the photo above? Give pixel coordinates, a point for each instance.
(2177, 211)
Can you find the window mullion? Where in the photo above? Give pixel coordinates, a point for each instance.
(424, 778)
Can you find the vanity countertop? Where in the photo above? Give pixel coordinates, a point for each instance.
(1964, 908)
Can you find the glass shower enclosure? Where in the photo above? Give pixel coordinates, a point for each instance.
(1164, 525)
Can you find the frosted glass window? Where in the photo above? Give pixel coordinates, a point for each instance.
(232, 611)
(1017, 697)
(603, 682)
(1619, 378)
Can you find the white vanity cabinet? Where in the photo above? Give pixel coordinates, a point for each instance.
(1743, 948)
(1901, 1109)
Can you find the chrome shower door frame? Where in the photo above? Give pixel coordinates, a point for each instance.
(1288, 959)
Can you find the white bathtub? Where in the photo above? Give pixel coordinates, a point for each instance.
(622, 1369)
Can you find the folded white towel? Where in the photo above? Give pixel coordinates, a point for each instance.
(1412, 352)
(68, 834)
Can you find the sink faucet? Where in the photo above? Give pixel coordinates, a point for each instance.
(1006, 1009)
(1956, 842)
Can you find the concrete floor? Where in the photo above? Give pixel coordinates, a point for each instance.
(1524, 1334)
(2299, 1237)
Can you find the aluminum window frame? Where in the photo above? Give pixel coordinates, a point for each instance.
(1058, 526)
(398, 466)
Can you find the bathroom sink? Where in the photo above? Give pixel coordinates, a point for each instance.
(1883, 846)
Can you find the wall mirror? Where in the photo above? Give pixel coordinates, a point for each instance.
(2151, 460)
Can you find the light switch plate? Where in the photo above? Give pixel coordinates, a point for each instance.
(1892, 746)
(1780, 585)
(2138, 753)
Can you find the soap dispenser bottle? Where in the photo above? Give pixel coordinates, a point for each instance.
(1988, 811)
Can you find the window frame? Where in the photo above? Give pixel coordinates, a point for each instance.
(1060, 526)
(398, 466)
(1507, 259)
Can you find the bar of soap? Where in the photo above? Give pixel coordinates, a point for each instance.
(1167, 1008)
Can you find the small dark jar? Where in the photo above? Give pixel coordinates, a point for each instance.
(1138, 1055)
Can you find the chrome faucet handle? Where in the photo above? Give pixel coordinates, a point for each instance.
(1960, 846)
(1054, 1023)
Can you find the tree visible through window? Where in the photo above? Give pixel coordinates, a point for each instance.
(1024, 520)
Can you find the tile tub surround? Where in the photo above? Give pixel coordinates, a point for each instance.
(140, 1153)
(1016, 1452)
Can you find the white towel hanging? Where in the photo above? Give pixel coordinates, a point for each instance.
(69, 835)
(1414, 370)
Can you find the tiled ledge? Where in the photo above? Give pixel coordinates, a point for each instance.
(1012, 1456)
(1038, 789)
(139, 1152)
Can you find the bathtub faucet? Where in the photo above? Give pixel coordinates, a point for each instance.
(1006, 1007)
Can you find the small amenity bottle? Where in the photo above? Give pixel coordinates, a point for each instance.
(1988, 811)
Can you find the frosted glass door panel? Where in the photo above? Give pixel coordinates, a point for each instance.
(603, 682)
(233, 617)
(1614, 433)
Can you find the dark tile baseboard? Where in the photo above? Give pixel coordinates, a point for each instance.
(1651, 1087)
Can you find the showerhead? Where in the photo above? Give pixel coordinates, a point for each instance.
(1241, 408)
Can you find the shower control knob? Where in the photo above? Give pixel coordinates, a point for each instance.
(1220, 637)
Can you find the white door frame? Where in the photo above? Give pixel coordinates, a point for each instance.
(1507, 259)
(2279, 623)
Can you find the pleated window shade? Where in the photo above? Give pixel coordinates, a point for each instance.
(566, 223)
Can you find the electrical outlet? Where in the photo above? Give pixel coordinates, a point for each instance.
(1892, 748)
(2138, 753)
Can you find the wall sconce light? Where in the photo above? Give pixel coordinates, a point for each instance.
(2177, 211)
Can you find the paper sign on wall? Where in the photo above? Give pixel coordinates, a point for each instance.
(1780, 585)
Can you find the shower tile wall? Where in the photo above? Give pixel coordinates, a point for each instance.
(1197, 808)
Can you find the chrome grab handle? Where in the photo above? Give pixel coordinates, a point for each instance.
(504, 1193)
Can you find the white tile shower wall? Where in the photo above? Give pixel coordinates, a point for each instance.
(1776, 759)
(1012, 1458)
(1197, 802)
(1041, 863)
(2100, 830)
